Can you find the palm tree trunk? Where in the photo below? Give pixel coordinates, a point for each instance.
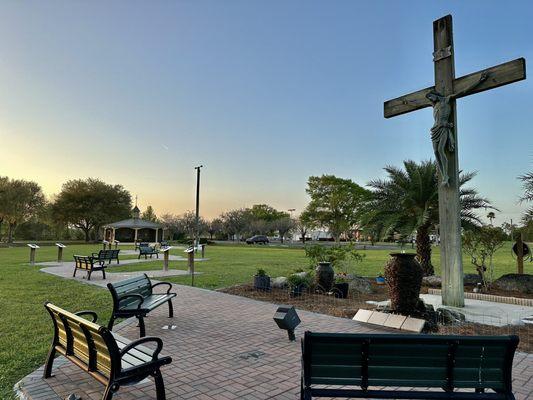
(423, 249)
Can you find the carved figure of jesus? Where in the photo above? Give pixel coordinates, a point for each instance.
(442, 133)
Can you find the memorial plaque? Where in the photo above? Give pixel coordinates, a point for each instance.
(362, 315)
(378, 318)
(395, 321)
(60, 245)
(413, 325)
(33, 246)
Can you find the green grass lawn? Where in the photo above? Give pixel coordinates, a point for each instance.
(26, 329)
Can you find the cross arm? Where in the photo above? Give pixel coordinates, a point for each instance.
(499, 75)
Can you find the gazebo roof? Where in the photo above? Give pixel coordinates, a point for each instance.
(135, 223)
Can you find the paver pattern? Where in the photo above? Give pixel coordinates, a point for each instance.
(223, 347)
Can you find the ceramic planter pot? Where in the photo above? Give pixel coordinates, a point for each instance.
(325, 276)
(404, 275)
(342, 289)
(262, 282)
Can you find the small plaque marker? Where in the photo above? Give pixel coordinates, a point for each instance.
(413, 325)
(378, 318)
(362, 315)
(169, 327)
(395, 321)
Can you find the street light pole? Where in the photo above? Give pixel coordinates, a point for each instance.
(197, 239)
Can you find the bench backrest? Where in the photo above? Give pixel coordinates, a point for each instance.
(146, 249)
(83, 262)
(409, 360)
(136, 285)
(105, 254)
(87, 344)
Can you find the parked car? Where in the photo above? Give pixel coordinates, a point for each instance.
(257, 239)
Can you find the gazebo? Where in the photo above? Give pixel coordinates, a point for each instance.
(135, 229)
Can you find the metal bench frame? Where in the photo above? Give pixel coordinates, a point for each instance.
(86, 263)
(147, 251)
(139, 312)
(366, 341)
(106, 255)
(103, 355)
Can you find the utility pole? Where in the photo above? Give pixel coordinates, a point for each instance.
(197, 239)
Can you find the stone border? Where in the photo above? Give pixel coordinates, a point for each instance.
(491, 297)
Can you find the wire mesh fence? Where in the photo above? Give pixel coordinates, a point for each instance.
(332, 302)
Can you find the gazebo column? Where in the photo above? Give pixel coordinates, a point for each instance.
(136, 234)
(114, 232)
(156, 234)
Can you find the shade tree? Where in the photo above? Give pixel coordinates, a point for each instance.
(87, 204)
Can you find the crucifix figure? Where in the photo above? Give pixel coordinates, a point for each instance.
(442, 97)
(442, 130)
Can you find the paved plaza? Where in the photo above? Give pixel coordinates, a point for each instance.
(223, 347)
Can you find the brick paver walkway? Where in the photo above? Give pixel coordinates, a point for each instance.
(211, 350)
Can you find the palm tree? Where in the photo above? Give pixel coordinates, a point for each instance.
(491, 216)
(527, 183)
(407, 202)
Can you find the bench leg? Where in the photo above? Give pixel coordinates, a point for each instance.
(170, 309)
(103, 272)
(141, 327)
(74, 274)
(111, 323)
(118, 261)
(49, 363)
(89, 272)
(159, 385)
(109, 391)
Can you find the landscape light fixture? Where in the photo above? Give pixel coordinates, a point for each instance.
(287, 319)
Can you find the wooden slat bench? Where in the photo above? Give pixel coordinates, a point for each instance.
(106, 255)
(109, 358)
(87, 263)
(134, 297)
(335, 364)
(148, 251)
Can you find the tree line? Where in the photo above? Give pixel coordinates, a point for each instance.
(401, 206)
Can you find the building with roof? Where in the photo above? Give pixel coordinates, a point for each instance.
(135, 229)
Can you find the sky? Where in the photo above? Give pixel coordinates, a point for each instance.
(264, 94)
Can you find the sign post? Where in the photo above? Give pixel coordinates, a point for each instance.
(33, 248)
(116, 244)
(190, 262)
(105, 243)
(60, 247)
(165, 250)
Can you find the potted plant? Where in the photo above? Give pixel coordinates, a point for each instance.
(261, 280)
(326, 258)
(341, 285)
(298, 282)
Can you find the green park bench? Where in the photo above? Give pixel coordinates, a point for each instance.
(147, 250)
(134, 297)
(109, 358)
(104, 256)
(140, 244)
(86, 263)
(335, 364)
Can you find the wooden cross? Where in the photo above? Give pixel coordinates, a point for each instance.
(444, 136)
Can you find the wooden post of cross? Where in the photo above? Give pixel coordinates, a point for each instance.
(442, 97)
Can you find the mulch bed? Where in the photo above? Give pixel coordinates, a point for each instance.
(346, 308)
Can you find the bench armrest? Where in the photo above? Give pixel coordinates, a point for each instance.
(137, 296)
(87, 312)
(164, 283)
(134, 344)
(95, 255)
